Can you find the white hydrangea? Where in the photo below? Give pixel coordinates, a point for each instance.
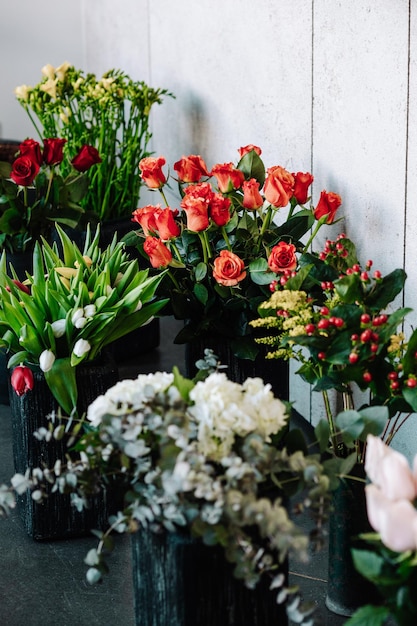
(224, 409)
(128, 395)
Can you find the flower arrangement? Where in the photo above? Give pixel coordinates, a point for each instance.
(110, 113)
(35, 194)
(332, 316)
(69, 309)
(208, 457)
(389, 557)
(228, 240)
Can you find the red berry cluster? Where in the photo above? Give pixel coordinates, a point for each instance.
(334, 249)
(368, 337)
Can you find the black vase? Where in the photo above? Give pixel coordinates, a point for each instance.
(56, 518)
(272, 371)
(179, 581)
(347, 590)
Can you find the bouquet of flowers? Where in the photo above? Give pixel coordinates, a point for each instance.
(35, 193)
(389, 557)
(333, 316)
(208, 457)
(110, 113)
(69, 309)
(228, 240)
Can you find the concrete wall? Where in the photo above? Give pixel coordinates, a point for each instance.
(324, 85)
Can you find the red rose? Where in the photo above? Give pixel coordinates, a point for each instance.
(245, 149)
(219, 209)
(22, 380)
(190, 169)
(302, 183)
(24, 171)
(252, 199)
(151, 172)
(146, 217)
(158, 253)
(228, 177)
(31, 148)
(86, 158)
(282, 257)
(197, 213)
(228, 269)
(53, 150)
(279, 186)
(327, 205)
(166, 224)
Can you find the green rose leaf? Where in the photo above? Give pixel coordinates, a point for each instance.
(252, 166)
(260, 273)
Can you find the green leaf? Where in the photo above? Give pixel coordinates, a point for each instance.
(386, 289)
(62, 383)
(349, 288)
(260, 272)
(184, 385)
(200, 272)
(201, 293)
(368, 563)
(322, 432)
(369, 615)
(252, 166)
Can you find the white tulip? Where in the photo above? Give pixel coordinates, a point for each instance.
(78, 313)
(81, 347)
(80, 322)
(46, 360)
(90, 310)
(58, 328)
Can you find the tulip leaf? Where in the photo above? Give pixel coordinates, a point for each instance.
(62, 382)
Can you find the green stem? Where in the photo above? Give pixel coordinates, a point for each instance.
(161, 191)
(329, 417)
(174, 280)
(266, 220)
(226, 238)
(313, 234)
(205, 245)
(176, 251)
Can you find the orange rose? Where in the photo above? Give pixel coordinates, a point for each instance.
(327, 205)
(190, 169)
(228, 269)
(227, 176)
(252, 199)
(146, 217)
(166, 224)
(196, 205)
(151, 172)
(245, 149)
(282, 257)
(219, 209)
(279, 186)
(302, 183)
(159, 255)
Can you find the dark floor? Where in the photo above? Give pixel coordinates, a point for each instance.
(43, 584)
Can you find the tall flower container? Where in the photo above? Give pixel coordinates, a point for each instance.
(56, 327)
(56, 517)
(179, 581)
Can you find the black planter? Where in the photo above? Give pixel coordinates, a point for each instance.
(179, 581)
(273, 371)
(347, 590)
(55, 518)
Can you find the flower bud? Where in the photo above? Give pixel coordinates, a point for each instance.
(81, 347)
(58, 328)
(90, 310)
(22, 380)
(46, 360)
(78, 314)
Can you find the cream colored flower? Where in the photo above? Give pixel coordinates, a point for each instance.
(58, 328)
(49, 87)
(22, 92)
(62, 69)
(48, 70)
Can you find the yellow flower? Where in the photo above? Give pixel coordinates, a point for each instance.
(66, 272)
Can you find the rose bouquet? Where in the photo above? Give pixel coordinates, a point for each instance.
(337, 319)
(35, 193)
(227, 241)
(71, 307)
(388, 558)
(110, 113)
(209, 458)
